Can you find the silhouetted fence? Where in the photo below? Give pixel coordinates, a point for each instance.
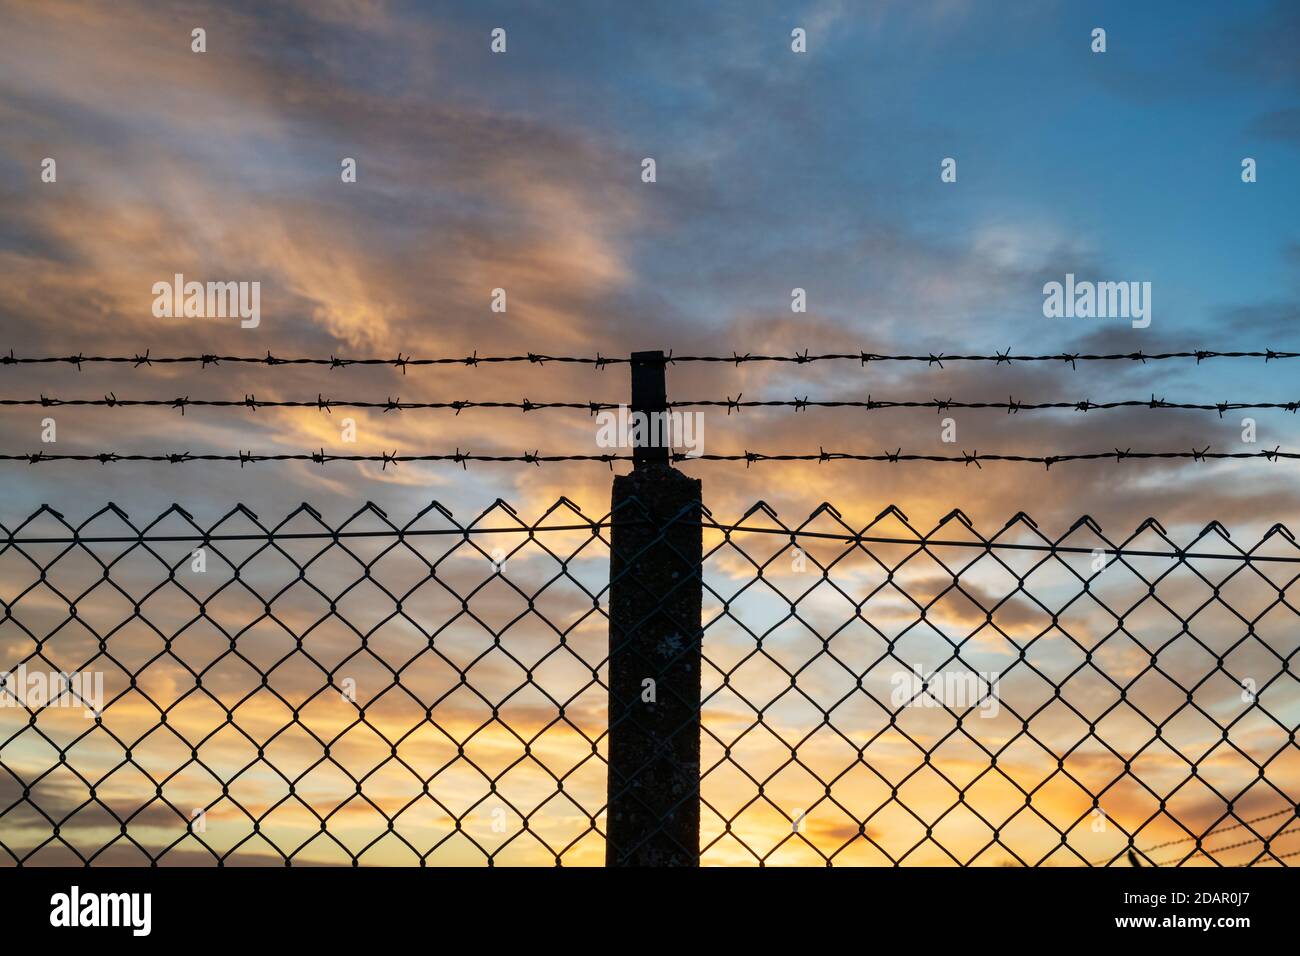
(651, 687)
(439, 691)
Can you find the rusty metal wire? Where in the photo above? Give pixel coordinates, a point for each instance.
(476, 730)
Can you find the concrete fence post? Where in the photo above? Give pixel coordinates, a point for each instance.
(655, 599)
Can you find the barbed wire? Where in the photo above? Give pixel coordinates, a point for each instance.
(536, 458)
(1011, 405)
(320, 403)
(1276, 856)
(600, 361)
(1288, 811)
(1210, 850)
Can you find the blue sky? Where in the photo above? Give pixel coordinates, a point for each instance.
(1134, 153)
(775, 171)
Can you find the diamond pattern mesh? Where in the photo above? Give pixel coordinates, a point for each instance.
(436, 692)
(884, 696)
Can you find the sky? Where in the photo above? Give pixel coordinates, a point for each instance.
(522, 171)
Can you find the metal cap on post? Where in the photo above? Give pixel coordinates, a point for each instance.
(650, 397)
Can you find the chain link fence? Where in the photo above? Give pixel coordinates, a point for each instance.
(886, 696)
(438, 692)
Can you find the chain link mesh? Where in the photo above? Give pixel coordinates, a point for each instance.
(427, 694)
(887, 696)
(437, 692)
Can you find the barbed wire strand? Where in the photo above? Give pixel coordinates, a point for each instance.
(536, 458)
(1011, 405)
(1288, 811)
(600, 361)
(1209, 850)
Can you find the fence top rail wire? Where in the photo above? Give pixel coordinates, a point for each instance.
(985, 544)
(322, 457)
(1011, 405)
(600, 361)
(435, 510)
(577, 521)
